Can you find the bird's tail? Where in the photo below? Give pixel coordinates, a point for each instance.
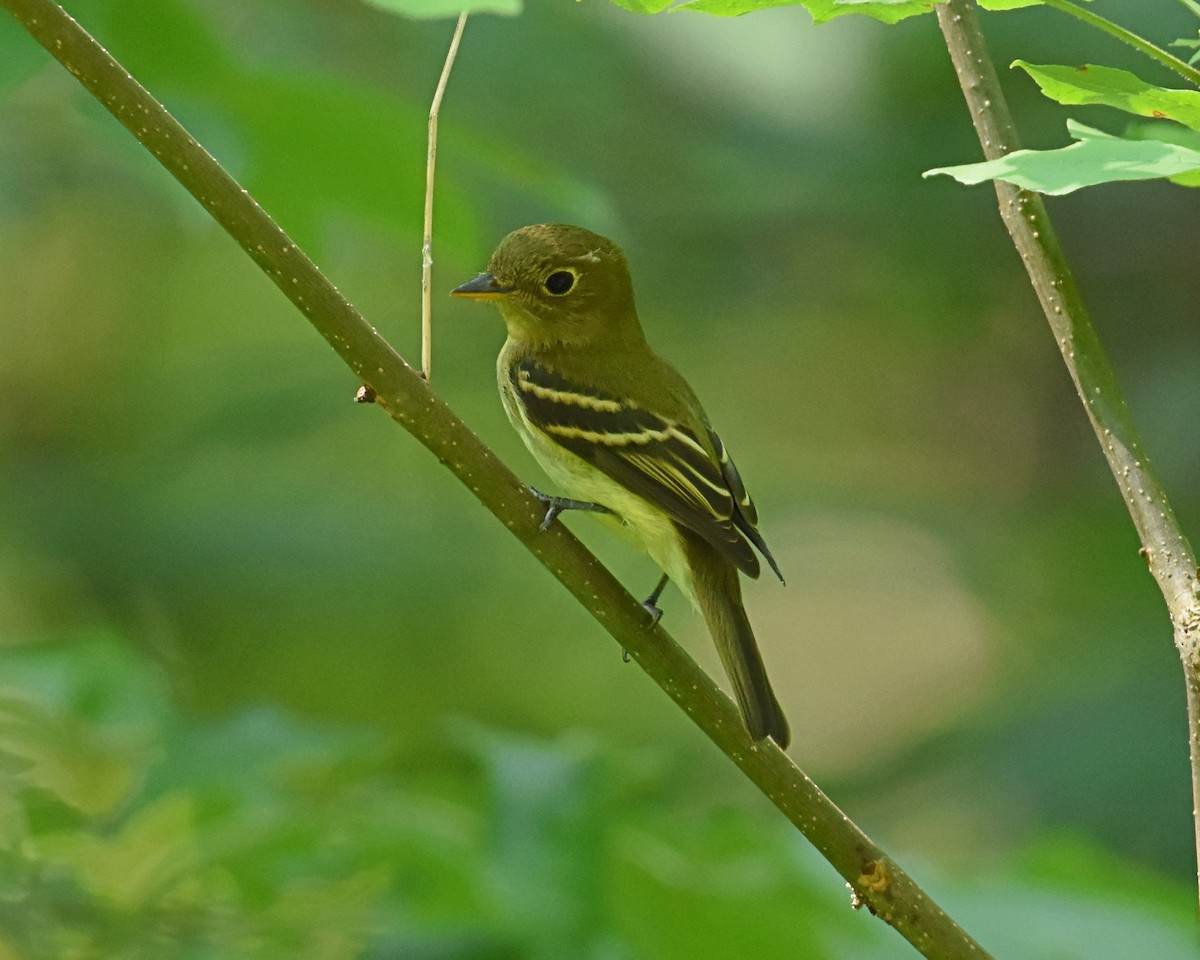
(718, 593)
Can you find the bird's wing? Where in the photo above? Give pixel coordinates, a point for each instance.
(745, 517)
(658, 458)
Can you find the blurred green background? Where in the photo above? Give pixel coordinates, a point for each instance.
(273, 685)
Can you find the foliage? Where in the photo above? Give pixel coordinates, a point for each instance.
(1140, 154)
(1095, 157)
(1115, 88)
(431, 9)
(125, 836)
(886, 11)
(185, 464)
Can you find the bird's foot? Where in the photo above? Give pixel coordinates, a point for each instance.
(556, 505)
(651, 602)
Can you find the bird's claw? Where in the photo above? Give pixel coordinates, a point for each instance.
(556, 505)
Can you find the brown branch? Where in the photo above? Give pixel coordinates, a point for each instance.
(1166, 550)
(876, 881)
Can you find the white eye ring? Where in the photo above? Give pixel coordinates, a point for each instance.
(560, 282)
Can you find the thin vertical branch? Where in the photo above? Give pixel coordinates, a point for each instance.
(430, 164)
(1164, 547)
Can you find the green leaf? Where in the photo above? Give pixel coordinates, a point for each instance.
(1115, 88)
(886, 11)
(154, 851)
(644, 6)
(434, 9)
(732, 8)
(1189, 179)
(1097, 158)
(65, 755)
(77, 721)
(1010, 4)
(1168, 132)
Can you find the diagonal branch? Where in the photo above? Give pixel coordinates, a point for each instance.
(876, 881)
(1166, 550)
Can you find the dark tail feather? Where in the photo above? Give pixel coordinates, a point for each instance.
(719, 596)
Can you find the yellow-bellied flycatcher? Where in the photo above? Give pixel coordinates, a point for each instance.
(623, 434)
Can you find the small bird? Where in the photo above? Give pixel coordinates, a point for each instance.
(623, 435)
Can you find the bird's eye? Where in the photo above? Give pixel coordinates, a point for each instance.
(560, 282)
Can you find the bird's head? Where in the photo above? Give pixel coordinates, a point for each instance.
(555, 283)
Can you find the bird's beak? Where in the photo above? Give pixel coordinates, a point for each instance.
(483, 287)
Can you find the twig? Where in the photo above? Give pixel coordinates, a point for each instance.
(876, 881)
(1128, 37)
(430, 164)
(1164, 547)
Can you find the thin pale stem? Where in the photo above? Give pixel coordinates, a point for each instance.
(1127, 36)
(1164, 546)
(876, 881)
(430, 165)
